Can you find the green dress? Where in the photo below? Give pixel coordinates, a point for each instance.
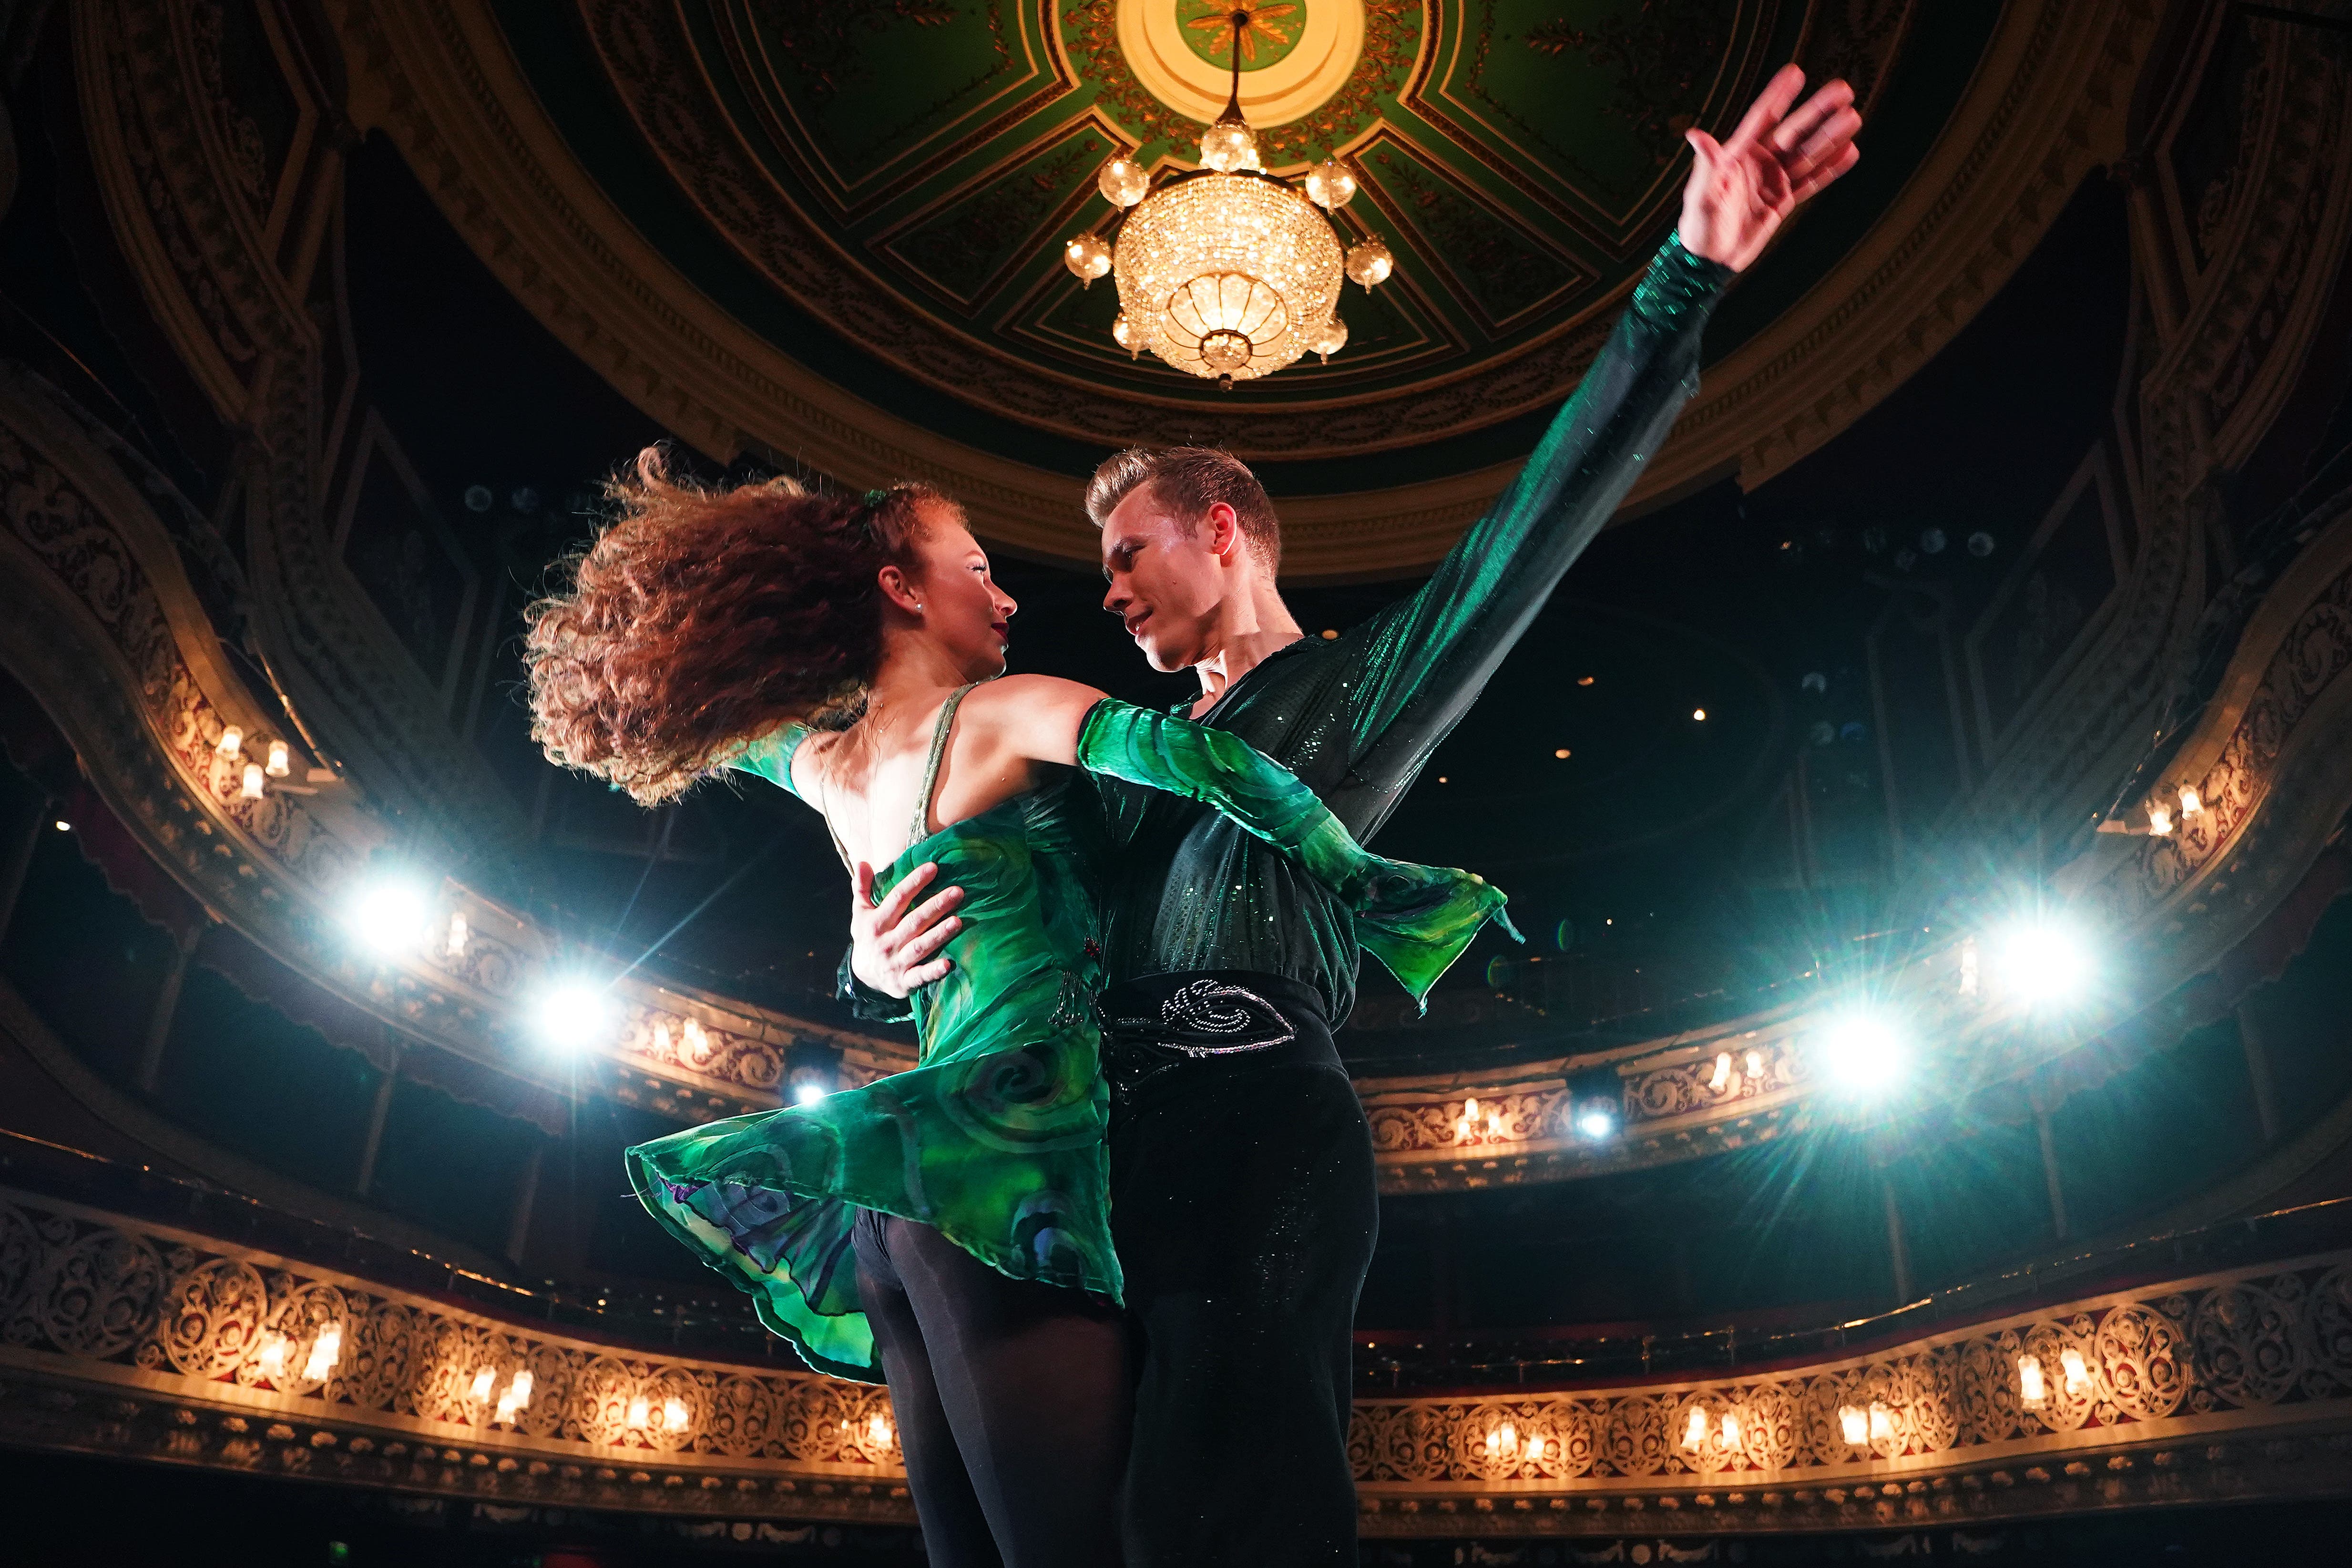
(996, 1138)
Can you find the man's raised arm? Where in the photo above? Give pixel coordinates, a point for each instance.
(1431, 655)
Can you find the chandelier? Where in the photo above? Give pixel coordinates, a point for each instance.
(1225, 271)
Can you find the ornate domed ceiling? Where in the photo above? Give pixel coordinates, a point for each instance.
(830, 236)
(908, 169)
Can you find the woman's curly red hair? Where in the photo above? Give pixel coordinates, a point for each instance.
(702, 617)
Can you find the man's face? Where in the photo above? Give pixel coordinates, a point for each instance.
(1166, 576)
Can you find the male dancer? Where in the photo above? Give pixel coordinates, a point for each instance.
(1243, 1199)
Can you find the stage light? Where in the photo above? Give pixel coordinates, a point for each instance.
(1695, 1433)
(277, 766)
(391, 914)
(232, 741)
(574, 1012)
(2032, 1392)
(254, 787)
(1861, 1050)
(325, 1352)
(807, 1094)
(2078, 1374)
(2044, 963)
(1854, 1424)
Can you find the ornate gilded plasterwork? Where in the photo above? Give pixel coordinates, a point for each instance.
(438, 80)
(132, 1340)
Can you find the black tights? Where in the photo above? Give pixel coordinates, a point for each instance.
(1012, 1401)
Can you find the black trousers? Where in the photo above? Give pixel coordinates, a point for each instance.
(1244, 1210)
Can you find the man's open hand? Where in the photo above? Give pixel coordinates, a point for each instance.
(1742, 189)
(894, 948)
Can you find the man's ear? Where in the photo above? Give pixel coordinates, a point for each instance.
(899, 588)
(1224, 530)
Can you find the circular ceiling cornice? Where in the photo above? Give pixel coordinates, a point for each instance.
(439, 79)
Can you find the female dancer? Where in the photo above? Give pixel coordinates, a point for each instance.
(947, 1227)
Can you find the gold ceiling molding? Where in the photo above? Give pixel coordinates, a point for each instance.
(2047, 104)
(132, 1340)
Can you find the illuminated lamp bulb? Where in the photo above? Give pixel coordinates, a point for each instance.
(1730, 1430)
(674, 1416)
(1699, 714)
(1330, 185)
(1862, 1051)
(1596, 1121)
(506, 1410)
(519, 1389)
(1535, 1447)
(808, 1094)
(1882, 1421)
(1721, 1076)
(390, 914)
(878, 1431)
(2078, 1374)
(232, 741)
(1371, 263)
(1123, 182)
(459, 933)
(272, 1359)
(1327, 339)
(1087, 256)
(484, 1381)
(1229, 145)
(1467, 1128)
(277, 766)
(696, 1040)
(1123, 333)
(1494, 1125)
(253, 785)
(575, 1012)
(2044, 965)
(1854, 1424)
(1695, 1433)
(2032, 1391)
(2191, 802)
(640, 1413)
(1756, 1064)
(325, 1352)
(2159, 819)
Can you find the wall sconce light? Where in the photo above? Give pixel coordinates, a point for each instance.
(1756, 1065)
(1695, 1433)
(640, 1416)
(1722, 1074)
(272, 1359)
(484, 1379)
(1882, 1421)
(673, 1415)
(2078, 1374)
(1730, 1430)
(2191, 802)
(253, 785)
(279, 767)
(2159, 819)
(877, 1431)
(2032, 1392)
(232, 741)
(1853, 1423)
(325, 1352)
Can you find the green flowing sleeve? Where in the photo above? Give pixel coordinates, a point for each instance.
(1416, 920)
(771, 756)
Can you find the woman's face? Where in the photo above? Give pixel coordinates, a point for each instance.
(964, 611)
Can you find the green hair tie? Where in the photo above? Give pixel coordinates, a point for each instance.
(874, 499)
